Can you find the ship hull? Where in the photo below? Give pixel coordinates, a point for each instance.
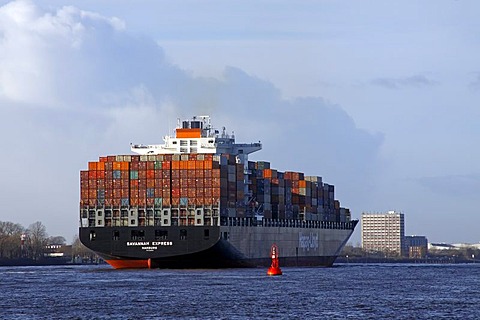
(215, 246)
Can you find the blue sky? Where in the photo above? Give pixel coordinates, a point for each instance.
(381, 99)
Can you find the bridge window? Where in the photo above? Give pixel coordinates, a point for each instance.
(161, 234)
(183, 234)
(138, 235)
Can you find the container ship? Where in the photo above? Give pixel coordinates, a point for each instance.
(196, 201)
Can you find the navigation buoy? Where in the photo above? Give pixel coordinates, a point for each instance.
(274, 269)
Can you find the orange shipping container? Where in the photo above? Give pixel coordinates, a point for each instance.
(92, 193)
(101, 166)
(188, 133)
(150, 183)
(124, 166)
(207, 164)
(267, 173)
(92, 166)
(175, 165)
(199, 164)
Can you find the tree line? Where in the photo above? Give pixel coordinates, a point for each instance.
(17, 241)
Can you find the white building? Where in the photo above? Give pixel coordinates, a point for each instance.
(384, 232)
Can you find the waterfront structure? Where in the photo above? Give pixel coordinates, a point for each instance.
(383, 233)
(417, 246)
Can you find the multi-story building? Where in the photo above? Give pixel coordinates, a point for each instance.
(384, 233)
(417, 246)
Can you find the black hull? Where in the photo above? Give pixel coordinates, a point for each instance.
(184, 247)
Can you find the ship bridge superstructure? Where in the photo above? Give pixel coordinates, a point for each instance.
(197, 135)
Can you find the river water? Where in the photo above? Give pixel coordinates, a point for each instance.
(346, 291)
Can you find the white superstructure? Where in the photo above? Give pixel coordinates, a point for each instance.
(198, 136)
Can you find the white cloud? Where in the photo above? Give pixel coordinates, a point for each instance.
(44, 55)
(105, 88)
(411, 81)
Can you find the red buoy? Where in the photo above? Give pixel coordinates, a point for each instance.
(274, 269)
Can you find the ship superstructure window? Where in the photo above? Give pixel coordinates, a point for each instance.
(161, 234)
(193, 142)
(138, 235)
(183, 234)
(183, 143)
(116, 235)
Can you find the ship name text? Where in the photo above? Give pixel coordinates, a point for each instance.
(147, 243)
(308, 241)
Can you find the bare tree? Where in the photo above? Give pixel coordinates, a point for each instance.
(81, 252)
(37, 239)
(57, 240)
(10, 239)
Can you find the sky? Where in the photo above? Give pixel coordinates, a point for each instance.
(381, 99)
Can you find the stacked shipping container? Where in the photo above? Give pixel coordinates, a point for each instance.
(187, 182)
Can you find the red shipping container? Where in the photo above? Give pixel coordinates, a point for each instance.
(166, 165)
(175, 193)
(142, 165)
(150, 174)
(150, 165)
(134, 166)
